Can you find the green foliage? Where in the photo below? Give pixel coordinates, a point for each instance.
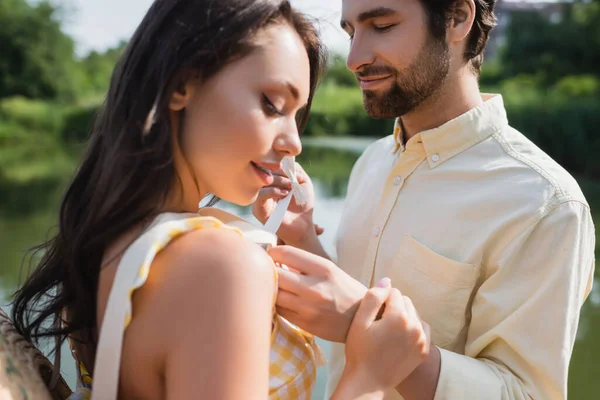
(338, 73)
(578, 86)
(97, 69)
(559, 120)
(521, 89)
(552, 50)
(33, 162)
(30, 114)
(593, 164)
(49, 98)
(38, 59)
(78, 124)
(37, 56)
(492, 73)
(339, 111)
(565, 129)
(330, 167)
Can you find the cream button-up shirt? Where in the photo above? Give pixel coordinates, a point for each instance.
(491, 239)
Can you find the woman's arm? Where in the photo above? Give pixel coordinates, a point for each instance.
(207, 312)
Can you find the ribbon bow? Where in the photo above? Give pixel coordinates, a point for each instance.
(276, 218)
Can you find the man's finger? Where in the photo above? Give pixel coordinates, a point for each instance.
(288, 314)
(291, 281)
(288, 300)
(370, 306)
(427, 330)
(300, 260)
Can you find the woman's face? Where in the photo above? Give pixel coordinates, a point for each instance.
(238, 125)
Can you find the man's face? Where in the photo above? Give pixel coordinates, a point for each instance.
(397, 61)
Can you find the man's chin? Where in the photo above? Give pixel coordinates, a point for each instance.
(377, 106)
(376, 111)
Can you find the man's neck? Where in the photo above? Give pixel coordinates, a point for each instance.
(458, 95)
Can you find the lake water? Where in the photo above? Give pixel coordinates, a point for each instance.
(328, 162)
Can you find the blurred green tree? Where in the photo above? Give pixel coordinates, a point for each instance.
(97, 69)
(338, 73)
(552, 49)
(37, 58)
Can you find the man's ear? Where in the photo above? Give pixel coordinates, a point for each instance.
(462, 21)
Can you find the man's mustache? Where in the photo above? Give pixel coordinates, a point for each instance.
(369, 71)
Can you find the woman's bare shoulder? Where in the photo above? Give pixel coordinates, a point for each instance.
(205, 288)
(213, 256)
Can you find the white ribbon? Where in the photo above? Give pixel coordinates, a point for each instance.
(276, 218)
(289, 168)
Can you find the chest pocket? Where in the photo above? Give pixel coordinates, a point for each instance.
(440, 288)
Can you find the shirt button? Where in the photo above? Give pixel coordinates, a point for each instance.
(376, 231)
(435, 158)
(397, 180)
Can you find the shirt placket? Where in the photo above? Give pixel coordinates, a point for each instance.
(408, 161)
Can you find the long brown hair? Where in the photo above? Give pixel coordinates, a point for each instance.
(125, 175)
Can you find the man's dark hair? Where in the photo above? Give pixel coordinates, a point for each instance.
(441, 13)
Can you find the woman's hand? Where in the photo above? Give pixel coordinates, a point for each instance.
(386, 342)
(297, 227)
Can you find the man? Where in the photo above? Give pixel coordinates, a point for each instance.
(491, 239)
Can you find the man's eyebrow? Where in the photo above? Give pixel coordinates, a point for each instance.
(375, 13)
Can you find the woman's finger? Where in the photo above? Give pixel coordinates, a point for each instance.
(319, 230)
(369, 307)
(414, 320)
(282, 182)
(266, 201)
(271, 192)
(394, 305)
(301, 175)
(412, 317)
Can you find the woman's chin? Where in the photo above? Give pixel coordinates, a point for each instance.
(241, 199)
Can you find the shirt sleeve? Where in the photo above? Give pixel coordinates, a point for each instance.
(525, 314)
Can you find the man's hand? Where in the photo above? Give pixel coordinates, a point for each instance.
(318, 296)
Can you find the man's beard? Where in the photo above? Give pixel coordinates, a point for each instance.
(419, 82)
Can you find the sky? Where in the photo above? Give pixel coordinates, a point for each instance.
(101, 24)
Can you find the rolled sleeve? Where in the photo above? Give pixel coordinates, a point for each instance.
(525, 314)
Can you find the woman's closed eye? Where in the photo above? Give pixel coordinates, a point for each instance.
(269, 107)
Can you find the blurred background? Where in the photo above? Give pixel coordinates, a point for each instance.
(56, 58)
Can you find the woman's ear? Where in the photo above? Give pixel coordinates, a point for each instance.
(183, 92)
(181, 97)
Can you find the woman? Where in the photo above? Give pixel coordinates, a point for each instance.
(208, 97)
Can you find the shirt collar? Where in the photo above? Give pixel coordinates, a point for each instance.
(458, 134)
